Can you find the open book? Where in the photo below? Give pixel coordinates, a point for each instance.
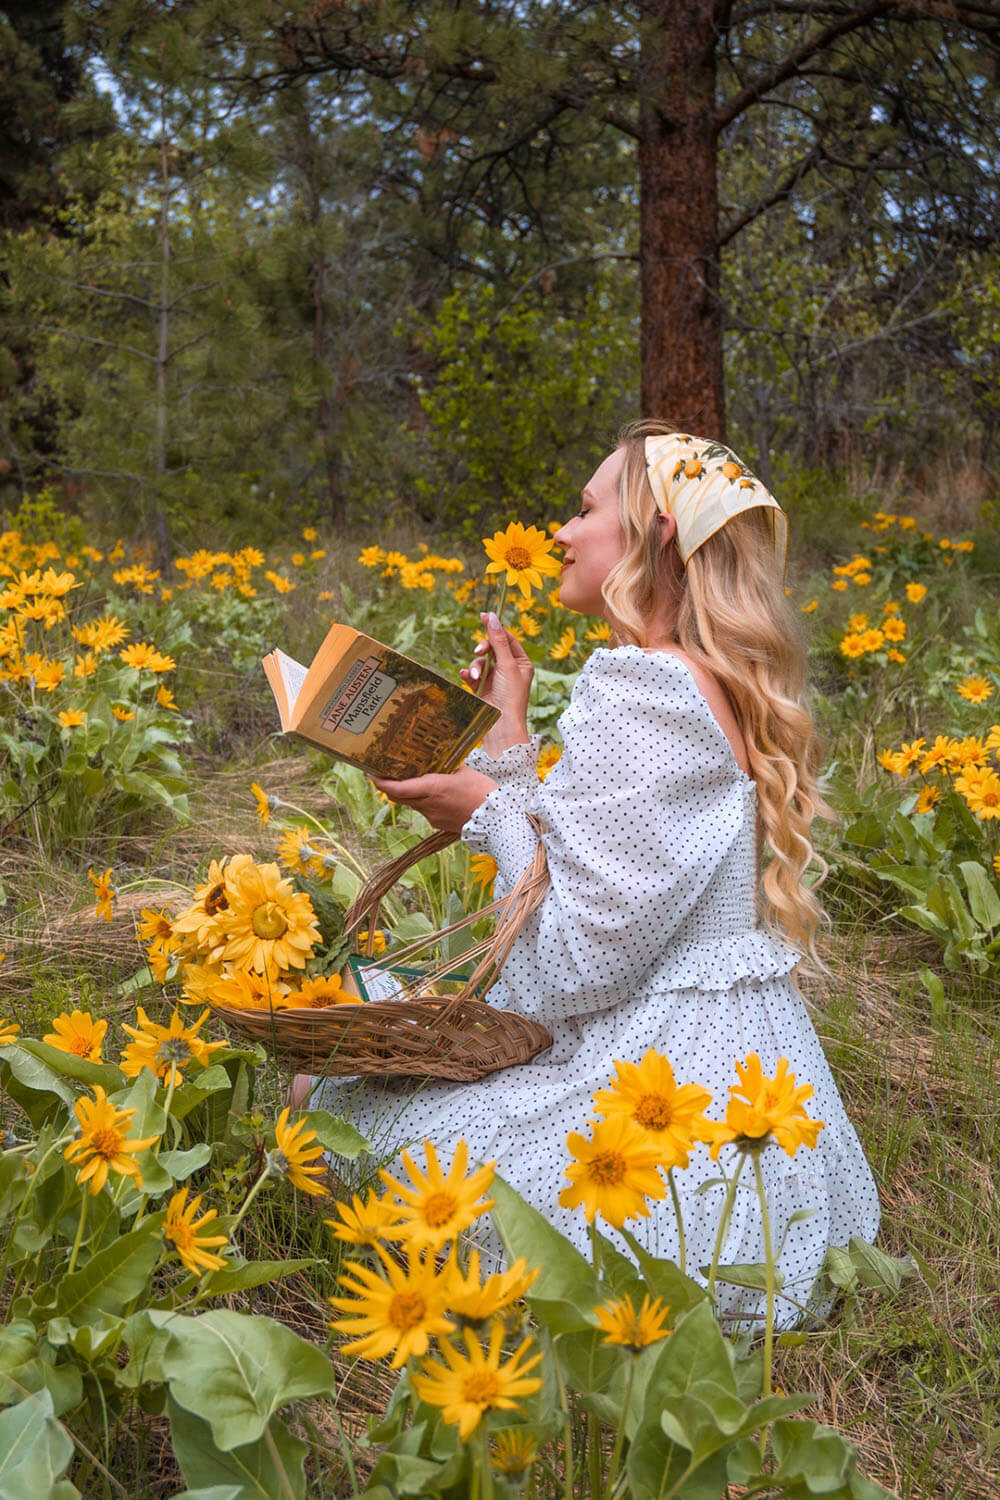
(366, 704)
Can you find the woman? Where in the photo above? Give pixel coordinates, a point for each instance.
(687, 753)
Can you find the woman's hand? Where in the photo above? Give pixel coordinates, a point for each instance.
(447, 802)
(507, 685)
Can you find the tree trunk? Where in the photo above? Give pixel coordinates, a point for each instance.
(681, 338)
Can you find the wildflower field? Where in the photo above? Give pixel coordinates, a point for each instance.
(213, 1290)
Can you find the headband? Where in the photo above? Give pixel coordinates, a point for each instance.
(702, 484)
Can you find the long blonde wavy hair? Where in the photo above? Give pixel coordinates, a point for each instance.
(733, 617)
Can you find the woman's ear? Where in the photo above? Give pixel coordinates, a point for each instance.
(668, 528)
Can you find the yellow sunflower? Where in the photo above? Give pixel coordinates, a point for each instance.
(325, 989)
(512, 1453)
(981, 790)
(437, 1207)
(268, 924)
(144, 657)
(975, 689)
(762, 1109)
(523, 554)
(547, 758)
(9, 1032)
(395, 1313)
(483, 869)
(364, 1221)
(237, 989)
(472, 1301)
(298, 854)
(103, 1143)
(564, 645)
(184, 1232)
(614, 1172)
(621, 1324)
(104, 892)
(166, 1050)
(468, 1385)
(78, 1033)
(295, 1153)
(671, 1117)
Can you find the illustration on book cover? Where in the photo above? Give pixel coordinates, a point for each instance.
(417, 724)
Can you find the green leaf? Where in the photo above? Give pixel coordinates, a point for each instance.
(180, 1164)
(983, 899)
(665, 1279)
(815, 1460)
(876, 1269)
(214, 1492)
(254, 1273)
(752, 1276)
(32, 1084)
(595, 1370)
(867, 832)
(34, 1449)
(337, 1135)
(563, 1294)
(114, 1276)
(256, 1471)
(252, 1366)
(70, 1066)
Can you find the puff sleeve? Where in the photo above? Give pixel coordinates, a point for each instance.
(643, 805)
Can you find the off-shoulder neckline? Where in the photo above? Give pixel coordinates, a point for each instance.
(690, 678)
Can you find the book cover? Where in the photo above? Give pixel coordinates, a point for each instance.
(370, 706)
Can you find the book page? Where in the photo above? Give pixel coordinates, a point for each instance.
(293, 675)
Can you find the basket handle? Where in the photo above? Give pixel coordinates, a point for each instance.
(365, 906)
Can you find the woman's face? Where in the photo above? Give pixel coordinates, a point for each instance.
(593, 541)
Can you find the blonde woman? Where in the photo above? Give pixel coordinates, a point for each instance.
(677, 830)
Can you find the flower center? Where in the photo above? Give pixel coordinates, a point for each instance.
(106, 1142)
(173, 1050)
(518, 557)
(216, 899)
(480, 1387)
(607, 1168)
(438, 1209)
(407, 1309)
(81, 1046)
(182, 1234)
(269, 921)
(654, 1112)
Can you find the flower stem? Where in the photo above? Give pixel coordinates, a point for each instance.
(247, 1202)
(84, 1195)
(720, 1238)
(676, 1199)
(616, 1452)
(770, 1287)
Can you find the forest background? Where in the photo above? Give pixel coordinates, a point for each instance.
(387, 276)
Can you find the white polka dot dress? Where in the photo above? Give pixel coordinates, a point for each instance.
(647, 937)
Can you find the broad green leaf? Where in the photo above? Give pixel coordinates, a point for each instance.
(563, 1294)
(876, 1269)
(665, 1279)
(180, 1164)
(252, 1366)
(815, 1460)
(254, 1273)
(336, 1134)
(256, 1471)
(751, 1276)
(925, 920)
(114, 1276)
(983, 899)
(214, 1492)
(595, 1370)
(24, 1371)
(32, 1084)
(146, 1336)
(867, 832)
(91, 1341)
(13, 1181)
(34, 1449)
(70, 1066)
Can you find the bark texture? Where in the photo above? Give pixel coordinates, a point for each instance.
(681, 341)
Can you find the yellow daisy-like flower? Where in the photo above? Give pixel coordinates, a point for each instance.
(614, 1172)
(893, 628)
(547, 757)
(378, 941)
(123, 715)
(104, 892)
(9, 1031)
(199, 928)
(103, 634)
(891, 607)
(975, 689)
(166, 1050)
(77, 1032)
(295, 1155)
(895, 655)
(365, 1221)
(371, 557)
(621, 1324)
(523, 554)
(72, 718)
(185, 1233)
(483, 869)
(236, 989)
(970, 752)
(468, 1385)
(852, 646)
(807, 609)
(858, 622)
(154, 926)
(602, 631)
(473, 1301)
(263, 803)
(166, 699)
(85, 664)
(993, 738)
(862, 579)
(325, 989)
(872, 640)
(512, 1453)
(762, 1109)
(268, 925)
(672, 1118)
(297, 853)
(103, 1144)
(839, 585)
(397, 1312)
(144, 657)
(981, 790)
(996, 863)
(929, 795)
(564, 645)
(915, 592)
(529, 626)
(437, 1206)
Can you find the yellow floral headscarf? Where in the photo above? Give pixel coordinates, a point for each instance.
(703, 485)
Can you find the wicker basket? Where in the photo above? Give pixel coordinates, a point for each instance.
(417, 1033)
